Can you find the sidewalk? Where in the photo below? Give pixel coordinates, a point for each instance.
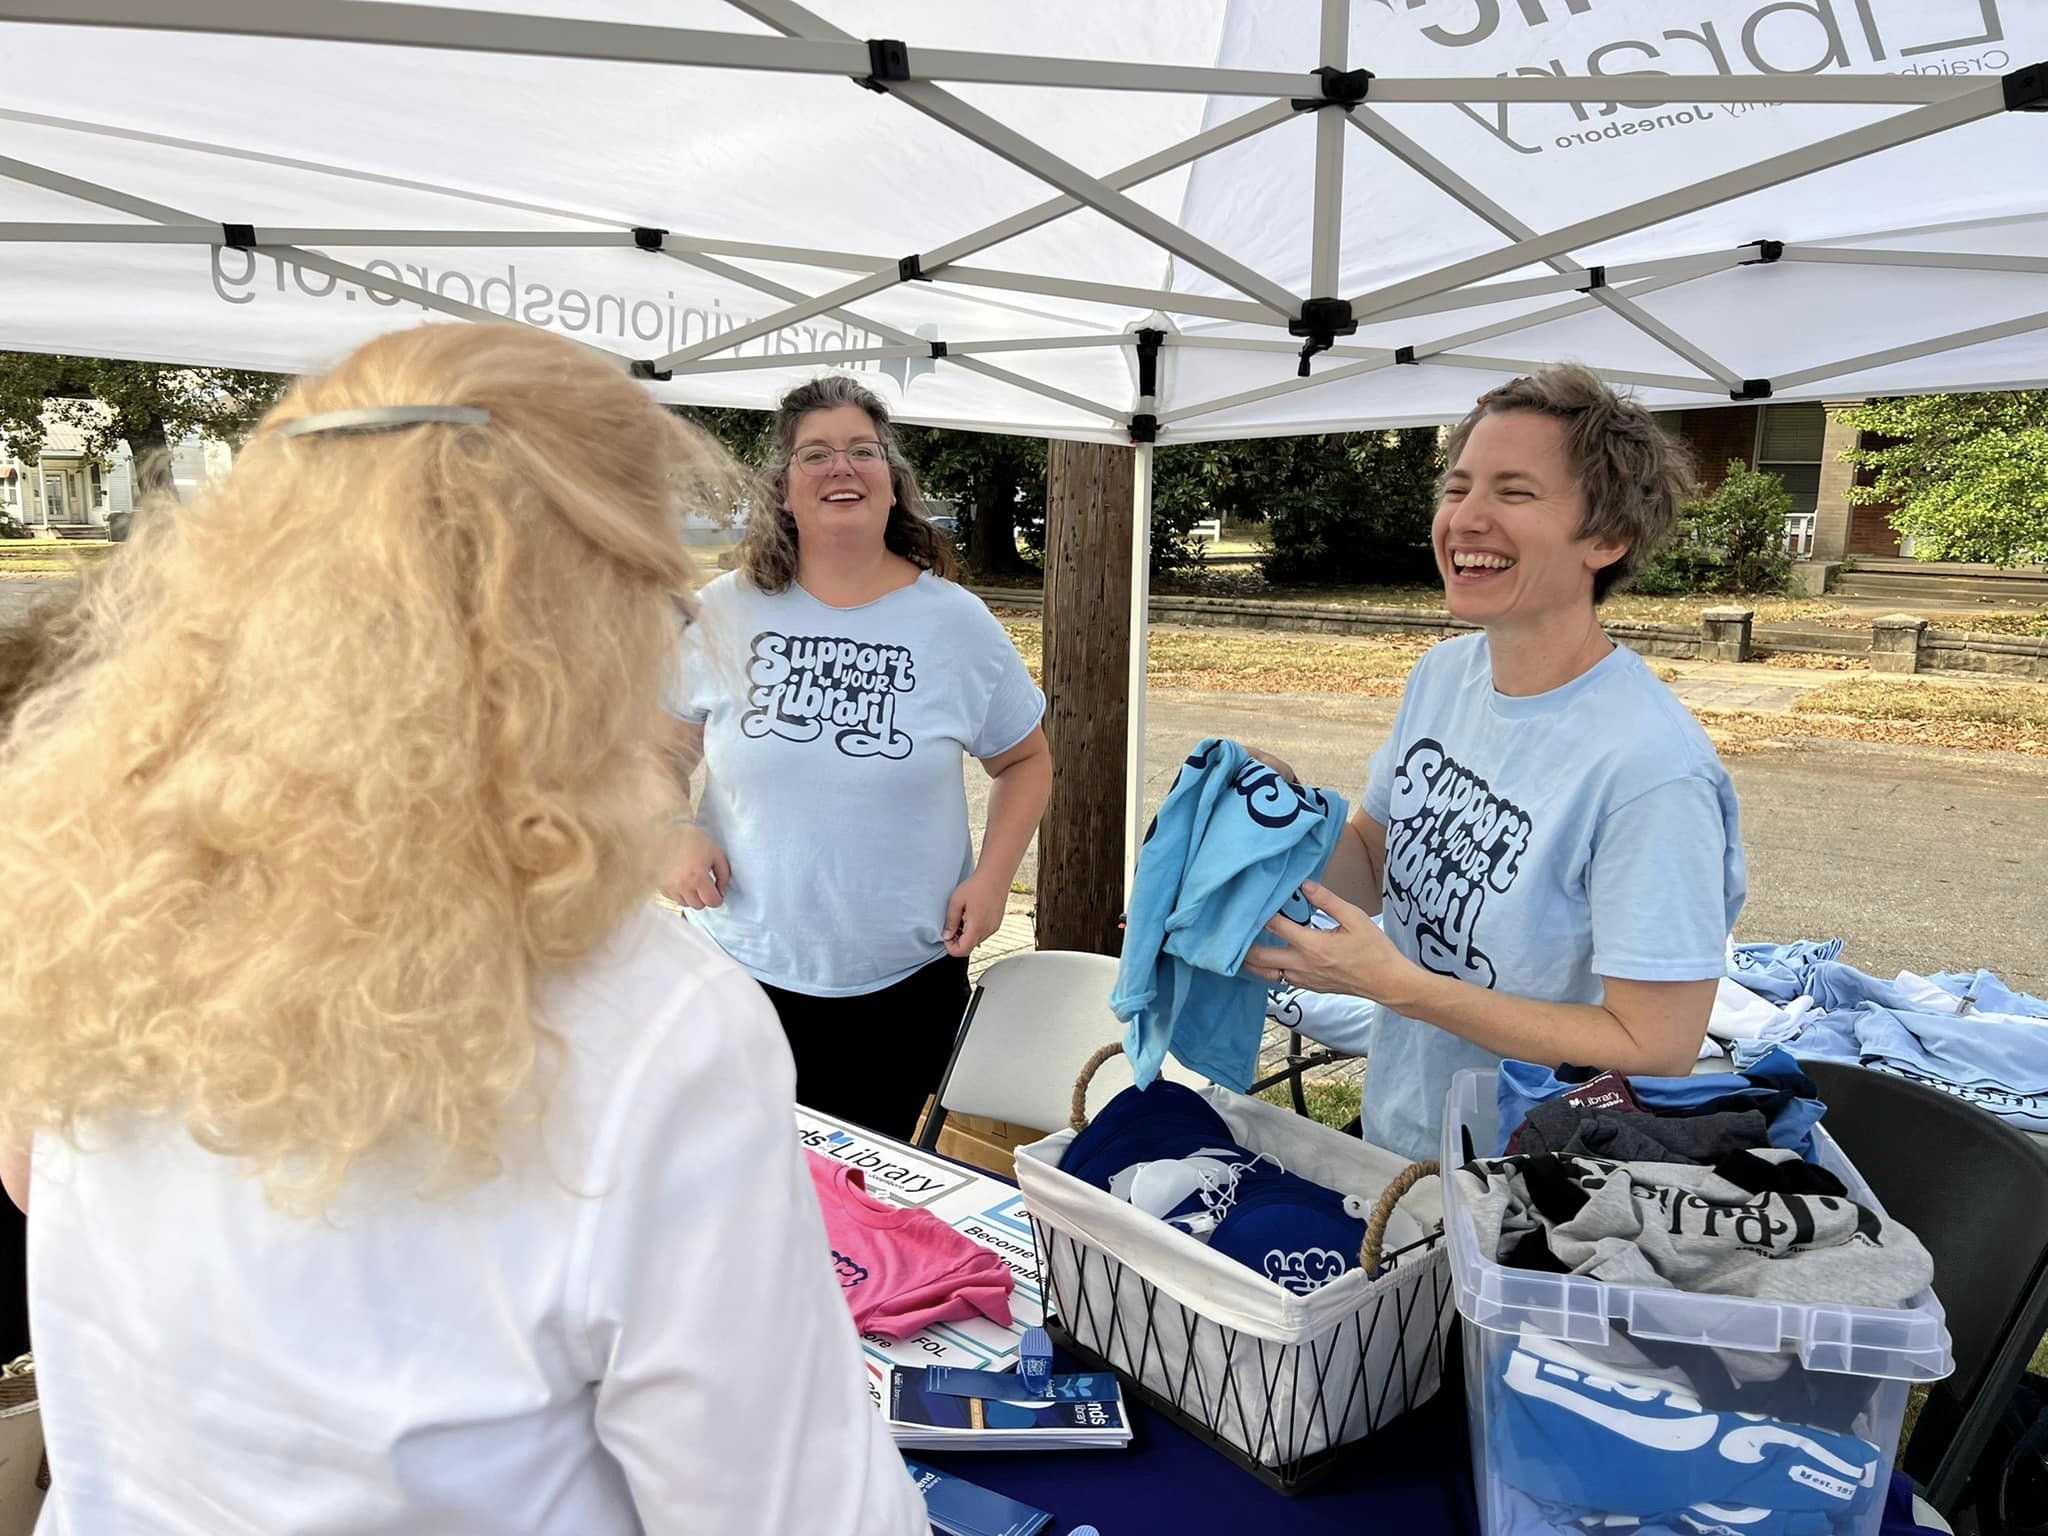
(1018, 933)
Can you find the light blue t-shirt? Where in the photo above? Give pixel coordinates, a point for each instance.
(1535, 845)
(833, 739)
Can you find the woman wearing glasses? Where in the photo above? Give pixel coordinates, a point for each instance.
(832, 685)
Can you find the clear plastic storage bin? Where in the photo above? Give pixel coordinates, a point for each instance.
(1751, 1416)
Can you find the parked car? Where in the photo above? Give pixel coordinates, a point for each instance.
(12, 527)
(117, 525)
(948, 523)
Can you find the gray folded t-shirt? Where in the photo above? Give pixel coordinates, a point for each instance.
(1677, 1226)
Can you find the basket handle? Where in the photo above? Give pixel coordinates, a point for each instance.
(1077, 1117)
(1370, 1254)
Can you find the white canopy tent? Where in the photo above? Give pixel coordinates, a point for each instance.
(1152, 220)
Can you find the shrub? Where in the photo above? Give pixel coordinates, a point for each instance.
(1733, 541)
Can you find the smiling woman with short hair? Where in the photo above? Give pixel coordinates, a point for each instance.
(1547, 834)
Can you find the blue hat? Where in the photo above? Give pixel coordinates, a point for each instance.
(1144, 1125)
(1297, 1234)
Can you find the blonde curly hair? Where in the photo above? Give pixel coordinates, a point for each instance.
(350, 751)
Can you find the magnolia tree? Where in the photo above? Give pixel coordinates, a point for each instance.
(1967, 475)
(148, 406)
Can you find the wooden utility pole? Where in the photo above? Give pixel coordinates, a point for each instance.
(1087, 639)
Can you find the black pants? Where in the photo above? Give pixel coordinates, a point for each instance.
(875, 1058)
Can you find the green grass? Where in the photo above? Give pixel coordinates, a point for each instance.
(1331, 1103)
(38, 557)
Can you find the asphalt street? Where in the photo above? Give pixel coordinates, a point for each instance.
(1920, 859)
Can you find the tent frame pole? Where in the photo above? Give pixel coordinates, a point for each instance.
(1140, 650)
(1953, 341)
(1326, 239)
(931, 263)
(807, 51)
(895, 334)
(952, 349)
(1463, 192)
(977, 127)
(1986, 99)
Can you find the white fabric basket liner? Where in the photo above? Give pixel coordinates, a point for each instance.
(1269, 1371)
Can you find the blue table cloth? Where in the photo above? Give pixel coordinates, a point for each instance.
(1415, 1476)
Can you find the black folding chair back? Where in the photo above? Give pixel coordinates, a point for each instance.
(1975, 1191)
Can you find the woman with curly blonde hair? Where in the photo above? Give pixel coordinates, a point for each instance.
(396, 1166)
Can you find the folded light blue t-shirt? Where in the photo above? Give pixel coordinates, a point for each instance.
(1535, 845)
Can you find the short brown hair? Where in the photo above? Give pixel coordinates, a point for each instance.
(1633, 474)
(768, 547)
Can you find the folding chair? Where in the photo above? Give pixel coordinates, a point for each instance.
(1030, 1024)
(1975, 1191)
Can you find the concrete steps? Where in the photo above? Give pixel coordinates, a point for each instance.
(1962, 586)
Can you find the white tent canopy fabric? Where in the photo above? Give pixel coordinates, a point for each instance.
(1041, 210)
(1144, 220)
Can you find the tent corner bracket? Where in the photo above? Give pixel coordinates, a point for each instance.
(1344, 88)
(1144, 427)
(2026, 90)
(888, 61)
(648, 238)
(1150, 340)
(1752, 389)
(1767, 251)
(1321, 322)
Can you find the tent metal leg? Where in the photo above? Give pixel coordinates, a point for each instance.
(1141, 595)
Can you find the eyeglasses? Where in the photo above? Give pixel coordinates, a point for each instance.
(817, 459)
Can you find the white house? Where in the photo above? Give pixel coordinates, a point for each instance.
(66, 491)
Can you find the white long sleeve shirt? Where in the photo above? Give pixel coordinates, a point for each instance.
(633, 1329)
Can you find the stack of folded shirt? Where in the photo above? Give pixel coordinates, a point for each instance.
(1761, 1224)
(1771, 1086)
(1166, 1151)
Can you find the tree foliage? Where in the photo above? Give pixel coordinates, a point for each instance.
(148, 406)
(996, 482)
(997, 485)
(1731, 541)
(1967, 474)
(1340, 508)
(1344, 508)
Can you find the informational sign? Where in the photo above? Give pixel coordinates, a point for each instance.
(979, 1207)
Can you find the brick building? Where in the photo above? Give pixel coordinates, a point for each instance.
(1803, 446)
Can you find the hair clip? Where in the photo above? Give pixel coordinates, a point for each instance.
(385, 418)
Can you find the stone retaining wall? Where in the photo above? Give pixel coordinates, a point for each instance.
(1897, 643)
(1352, 619)
(2016, 657)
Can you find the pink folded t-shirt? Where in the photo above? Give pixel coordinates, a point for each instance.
(902, 1270)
